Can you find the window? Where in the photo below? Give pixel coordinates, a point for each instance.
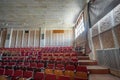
(80, 27)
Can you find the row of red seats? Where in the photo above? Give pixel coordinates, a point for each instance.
(42, 49)
(19, 58)
(39, 59)
(35, 65)
(15, 75)
(56, 49)
(58, 54)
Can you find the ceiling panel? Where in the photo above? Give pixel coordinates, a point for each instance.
(47, 13)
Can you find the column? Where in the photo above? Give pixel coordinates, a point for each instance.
(17, 39)
(8, 38)
(42, 37)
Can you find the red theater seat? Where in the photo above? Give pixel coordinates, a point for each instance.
(50, 77)
(9, 72)
(70, 67)
(17, 74)
(81, 72)
(1, 71)
(77, 78)
(40, 65)
(64, 78)
(39, 76)
(59, 67)
(27, 74)
(81, 69)
(33, 65)
(50, 66)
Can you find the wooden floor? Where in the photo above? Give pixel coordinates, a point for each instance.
(96, 69)
(102, 77)
(87, 62)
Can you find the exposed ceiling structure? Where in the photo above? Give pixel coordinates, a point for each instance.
(40, 13)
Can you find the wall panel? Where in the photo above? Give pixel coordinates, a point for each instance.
(31, 39)
(54, 39)
(96, 43)
(71, 34)
(59, 37)
(48, 38)
(37, 39)
(107, 39)
(19, 42)
(117, 31)
(66, 37)
(25, 40)
(3, 38)
(13, 40)
(95, 30)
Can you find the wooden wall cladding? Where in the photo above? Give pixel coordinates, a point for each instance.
(66, 38)
(107, 39)
(58, 31)
(117, 32)
(48, 38)
(71, 37)
(96, 43)
(31, 38)
(54, 39)
(13, 40)
(19, 40)
(25, 40)
(3, 38)
(60, 43)
(58, 39)
(37, 38)
(95, 30)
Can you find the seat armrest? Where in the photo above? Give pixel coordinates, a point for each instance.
(30, 78)
(18, 77)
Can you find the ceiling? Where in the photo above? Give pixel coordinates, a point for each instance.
(39, 13)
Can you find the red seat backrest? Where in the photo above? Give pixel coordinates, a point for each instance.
(18, 73)
(27, 74)
(40, 65)
(1, 71)
(77, 78)
(50, 66)
(39, 76)
(50, 77)
(81, 68)
(59, 66)
(70, 67)
(64, 78)
(9, 72)
(33, 64)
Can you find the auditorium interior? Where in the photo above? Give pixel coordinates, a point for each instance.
(59, 39)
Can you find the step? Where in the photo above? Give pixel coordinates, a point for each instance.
(103, 77)
(87, 62)
(83, 58)
(98, 70)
